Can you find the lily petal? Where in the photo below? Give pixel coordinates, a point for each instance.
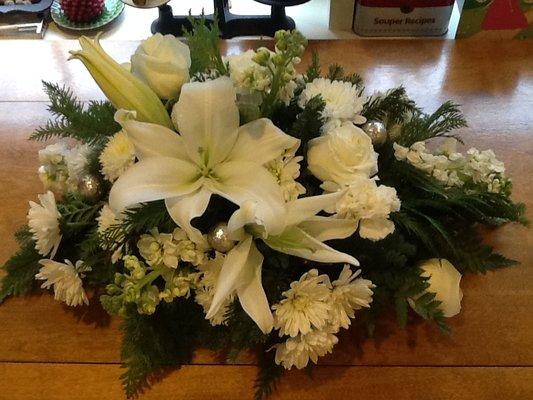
(207, 118)
(261, 141)
(251, 293)
(241, 181)
(327, 228)
(307, 207)
(154, 178)
(296, 242)
(151, 140)
(230, 273)
(185, 208)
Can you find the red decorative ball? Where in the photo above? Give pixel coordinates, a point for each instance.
(82, 10)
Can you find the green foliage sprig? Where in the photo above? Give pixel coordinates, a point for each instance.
(92, 124)
(421, 127)
(204, 45)
(21, 268)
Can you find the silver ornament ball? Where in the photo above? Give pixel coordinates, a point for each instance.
(90, 187)
(218, 238)
(376, 131)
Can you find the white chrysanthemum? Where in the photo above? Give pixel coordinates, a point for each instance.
(76, 161)
(65, 278)
(117, 156)
(286, 169)
(348, 294)
(343, 101)
(43, 220)
(305, 305)
(106, 220)
(297, 351)
(205, 289)
(370, 205)
(246, 73)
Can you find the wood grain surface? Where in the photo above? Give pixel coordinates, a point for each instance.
(49, 351)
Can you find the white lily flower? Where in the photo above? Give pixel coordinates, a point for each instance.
(301, 236)
(211, 155)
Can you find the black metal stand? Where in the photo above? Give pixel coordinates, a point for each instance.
(231, 25)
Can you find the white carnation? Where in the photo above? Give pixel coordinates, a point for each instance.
(348, 294)
(205, 290)
(344, 101)
(305, 305)
(297, 351)
(65, 278)
(117, 156)
(369, 204)
(43, 220)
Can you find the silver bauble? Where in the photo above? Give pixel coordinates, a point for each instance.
(90, 187)
(218, 238)
(376, 131)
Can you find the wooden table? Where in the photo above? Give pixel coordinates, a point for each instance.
(49, 351)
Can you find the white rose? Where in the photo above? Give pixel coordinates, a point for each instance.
(163, 63)
(342, 155)
(444, 281)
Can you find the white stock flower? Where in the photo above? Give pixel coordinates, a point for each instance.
(117, 156)
(205, 289)
(246, 73)
(305, 306)
(342, 155)
(368, 204)
(444, 281)
(343, 101)
(170, 248)
(65, 278)
(163, 63)
(476, 168)
(43, 220)
(106, 220)
(348, 294)
(286, 169)
(297, 351)
(53, 172)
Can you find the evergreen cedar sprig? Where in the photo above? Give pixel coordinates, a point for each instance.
(421, 127)
(91, 124)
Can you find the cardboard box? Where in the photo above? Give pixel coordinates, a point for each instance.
(496, 19)
(341, 14)
(402, 17)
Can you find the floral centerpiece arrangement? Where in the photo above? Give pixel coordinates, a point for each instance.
(237, 204)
